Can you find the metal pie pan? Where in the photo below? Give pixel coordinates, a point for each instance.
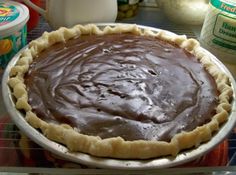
(110, 163)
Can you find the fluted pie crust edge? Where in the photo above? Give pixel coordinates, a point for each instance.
(117, 147)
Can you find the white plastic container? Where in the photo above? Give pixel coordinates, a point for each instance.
(13, 31)
(67, 13)
(218, 33)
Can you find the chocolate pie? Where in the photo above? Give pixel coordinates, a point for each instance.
(121, 92)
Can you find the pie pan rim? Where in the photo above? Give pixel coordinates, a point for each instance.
(83, 158)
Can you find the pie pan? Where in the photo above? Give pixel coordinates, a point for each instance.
(82, 158)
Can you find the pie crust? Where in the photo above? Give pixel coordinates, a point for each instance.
(117, 147)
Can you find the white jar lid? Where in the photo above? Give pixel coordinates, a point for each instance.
(13, 16)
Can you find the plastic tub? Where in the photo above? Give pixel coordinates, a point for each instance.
(13, 30)
(218, 33)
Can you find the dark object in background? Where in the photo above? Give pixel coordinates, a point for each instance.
(34, 15)
(127, 8)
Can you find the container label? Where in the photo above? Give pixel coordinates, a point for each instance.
(10, 45)
(225, 28)
(8, 13)
(225, 5)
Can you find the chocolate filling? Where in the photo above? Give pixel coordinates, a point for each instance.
(135, 87)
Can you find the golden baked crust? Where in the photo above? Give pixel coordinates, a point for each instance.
(117, 147)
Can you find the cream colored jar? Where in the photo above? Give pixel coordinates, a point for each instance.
(190, 12)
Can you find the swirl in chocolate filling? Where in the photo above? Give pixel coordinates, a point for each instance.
(135, 87)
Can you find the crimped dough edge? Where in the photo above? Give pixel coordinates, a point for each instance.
(117, 147)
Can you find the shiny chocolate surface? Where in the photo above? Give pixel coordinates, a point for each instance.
(135, 87)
